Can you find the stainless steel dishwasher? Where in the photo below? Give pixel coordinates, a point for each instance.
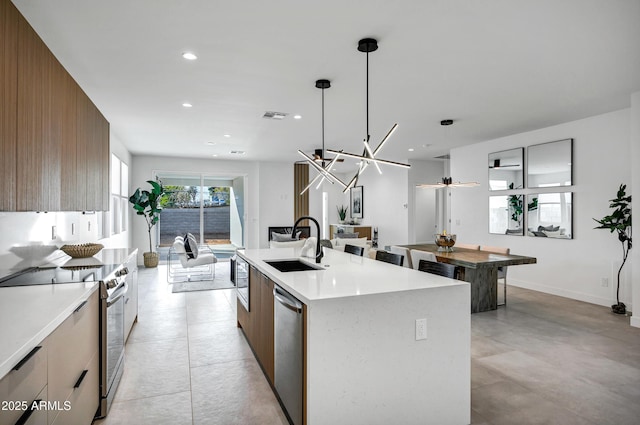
(288, 348)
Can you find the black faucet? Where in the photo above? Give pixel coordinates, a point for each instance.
(318, 249)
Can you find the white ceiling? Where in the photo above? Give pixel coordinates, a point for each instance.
(495, 67)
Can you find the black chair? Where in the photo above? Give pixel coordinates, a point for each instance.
(442, 269)
(389, 257)
(326, 243)
(353, 249)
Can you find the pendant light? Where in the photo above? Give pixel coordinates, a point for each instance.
(324, 171)
(447, 181)
(368, 45)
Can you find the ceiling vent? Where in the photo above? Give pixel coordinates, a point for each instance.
(237, 152)
(447, 156)
(271, 115)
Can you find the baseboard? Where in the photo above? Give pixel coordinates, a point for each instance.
(574, 295)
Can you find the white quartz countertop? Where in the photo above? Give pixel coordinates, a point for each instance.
(28, 314)
(342, 275)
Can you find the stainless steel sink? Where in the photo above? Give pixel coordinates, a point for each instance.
(291, 265)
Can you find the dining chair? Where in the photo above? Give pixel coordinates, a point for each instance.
(502, 271)
(416, 255)
(389, 257)
(395, 249)
(467, 246)
(354, 249)
(441, 269)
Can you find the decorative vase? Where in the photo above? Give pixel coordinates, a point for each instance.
(151, 259)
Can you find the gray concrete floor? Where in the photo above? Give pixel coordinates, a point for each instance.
(540, 360)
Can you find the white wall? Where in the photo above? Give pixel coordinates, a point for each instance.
(422, 201)
(634, 256)
(276, 197)
(571, 268)
(385, 202)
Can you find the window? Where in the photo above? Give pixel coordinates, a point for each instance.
(119, 195)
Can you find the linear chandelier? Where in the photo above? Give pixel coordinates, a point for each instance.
(368, 45)
(324, 170)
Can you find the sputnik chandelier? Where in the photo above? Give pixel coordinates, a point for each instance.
(368, 45)
(324, 170)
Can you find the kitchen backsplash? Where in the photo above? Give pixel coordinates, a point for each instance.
(30, 238)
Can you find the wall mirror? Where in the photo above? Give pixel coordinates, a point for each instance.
(549, 164)
(506, 215)
(550, 215)
(506, 169)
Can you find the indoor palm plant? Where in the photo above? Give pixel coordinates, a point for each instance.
(147, 203)
(619, 221)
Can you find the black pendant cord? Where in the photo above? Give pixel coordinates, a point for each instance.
(368, 97)
(323, 155)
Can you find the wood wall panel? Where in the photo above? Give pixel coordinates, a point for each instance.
(8, 103)
(300, 202)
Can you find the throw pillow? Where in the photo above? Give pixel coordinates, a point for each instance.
(541, 234)
(285, 237)
(188, 248)
(289, 244)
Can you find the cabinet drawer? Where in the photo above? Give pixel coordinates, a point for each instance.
(84, 400)
(23, 386)
(71, 346)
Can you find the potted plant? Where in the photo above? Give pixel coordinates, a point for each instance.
(342, 213)
(619, 221)
(147, 203)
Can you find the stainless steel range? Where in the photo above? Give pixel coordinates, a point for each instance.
(113, 288)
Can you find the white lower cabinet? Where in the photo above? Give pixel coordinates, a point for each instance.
(131, 298)
(24, 385)
(73, 346)
(58, 381)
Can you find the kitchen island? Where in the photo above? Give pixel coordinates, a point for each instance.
(362, 361)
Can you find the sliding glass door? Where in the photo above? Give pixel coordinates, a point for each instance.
(211, 208)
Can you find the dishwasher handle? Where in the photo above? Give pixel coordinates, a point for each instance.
(287, 300)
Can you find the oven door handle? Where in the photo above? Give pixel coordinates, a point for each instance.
(117, 295)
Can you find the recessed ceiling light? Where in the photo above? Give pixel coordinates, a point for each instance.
(411, 149)
(297, 117)
(210, 143)
(189, 56)
(187, 105)
(227, 135)
(214, 155)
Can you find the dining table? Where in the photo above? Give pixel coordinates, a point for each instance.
(479, 268)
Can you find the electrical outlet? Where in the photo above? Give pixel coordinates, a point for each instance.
(54, 234)
(421, 329)
(604, 282)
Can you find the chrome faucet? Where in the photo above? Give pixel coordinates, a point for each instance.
(318, 249)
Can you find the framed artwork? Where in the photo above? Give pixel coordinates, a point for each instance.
(357, 202)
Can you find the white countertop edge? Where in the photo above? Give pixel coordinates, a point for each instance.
(382, 278)
(7, 363)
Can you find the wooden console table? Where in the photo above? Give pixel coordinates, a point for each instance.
(480, 269)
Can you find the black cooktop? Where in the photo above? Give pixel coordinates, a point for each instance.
(63, 274)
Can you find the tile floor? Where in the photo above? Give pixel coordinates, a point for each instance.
(541, 360)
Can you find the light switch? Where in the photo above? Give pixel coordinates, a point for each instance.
(421, 329)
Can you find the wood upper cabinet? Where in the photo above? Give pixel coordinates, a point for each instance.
(55, 142)
(8, 103)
